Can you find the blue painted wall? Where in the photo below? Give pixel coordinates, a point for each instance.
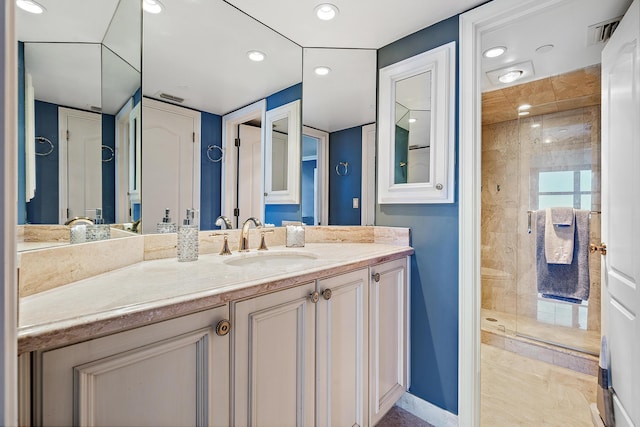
(43, 208)
(108, 169)
(210, 172)
(275, 214)
(345, 146)
(434, 267)
(22, 208)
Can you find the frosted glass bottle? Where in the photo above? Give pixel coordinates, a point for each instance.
(188, 238)
(166, 226)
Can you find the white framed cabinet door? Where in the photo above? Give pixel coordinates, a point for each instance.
(166, 374)
(342, 345)
(274, 359)
(388, 336)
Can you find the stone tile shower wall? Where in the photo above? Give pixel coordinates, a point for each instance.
(512, 153)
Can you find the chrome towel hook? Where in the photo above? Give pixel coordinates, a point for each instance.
(42, 140)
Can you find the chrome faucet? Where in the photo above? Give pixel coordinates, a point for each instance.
(244, 234)
(223, 220)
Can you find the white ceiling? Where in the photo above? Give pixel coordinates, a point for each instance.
(196, 49)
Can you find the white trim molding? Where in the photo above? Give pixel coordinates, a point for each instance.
(322, 165)
(368, 190)
(472, 26)
(427, 411)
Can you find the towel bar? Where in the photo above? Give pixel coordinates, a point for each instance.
(529, 221)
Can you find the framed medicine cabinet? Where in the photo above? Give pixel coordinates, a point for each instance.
(416, 134)
(282, 155)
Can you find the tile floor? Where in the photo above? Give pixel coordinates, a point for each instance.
(519, 391)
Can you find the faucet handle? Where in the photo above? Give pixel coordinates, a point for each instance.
(263, 243)
(225, 244)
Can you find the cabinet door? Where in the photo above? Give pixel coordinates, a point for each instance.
(342, 368)
(388, 307)
(167, 374)
(273, 359)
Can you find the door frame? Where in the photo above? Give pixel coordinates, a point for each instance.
(322, 166)
(368, 192)
(230, 122)
(472, 25)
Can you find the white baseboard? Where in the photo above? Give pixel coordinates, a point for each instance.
(427, 411)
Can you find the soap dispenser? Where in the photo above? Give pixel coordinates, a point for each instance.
(99, 230)
(166, 226)
(188, 238)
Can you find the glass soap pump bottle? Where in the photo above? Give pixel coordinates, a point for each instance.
(188, 238)
(99, 230)
(166, 226)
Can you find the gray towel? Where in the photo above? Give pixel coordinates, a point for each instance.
(568, 282)
(559, 235)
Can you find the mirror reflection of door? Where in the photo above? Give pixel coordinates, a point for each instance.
(413, 129)
(81, 185)
(249, 171)
(279, 150)
(310, 180)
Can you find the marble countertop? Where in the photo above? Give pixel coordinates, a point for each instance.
(152, 291)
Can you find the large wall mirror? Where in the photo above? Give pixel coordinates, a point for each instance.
(196, 56)
(339, 94)
(81, 64)
(416, 129)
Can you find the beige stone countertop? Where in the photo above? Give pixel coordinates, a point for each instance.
(152, 291)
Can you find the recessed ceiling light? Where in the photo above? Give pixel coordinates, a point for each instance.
(152, 6)
(494, 52)
(545, 48)
(510, 76)
(322, 70)
(326, 11)
(412, 120)
(524, 107)
(523, 113)
(30, 6)
(256, 55)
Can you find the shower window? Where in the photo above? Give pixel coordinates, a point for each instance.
(562, 188)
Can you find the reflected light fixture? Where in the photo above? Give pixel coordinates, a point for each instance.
(524, 107)
(412, 120)
(256, 55)
(494, 52)
(535, 125)
(322, 70)
(152, 6)
(511, 76)
(30, 6)
(326, 11)
(523, 113)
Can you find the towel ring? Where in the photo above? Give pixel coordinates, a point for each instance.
(211, 148)
(113, 154)
(42, 140)
(342, 168)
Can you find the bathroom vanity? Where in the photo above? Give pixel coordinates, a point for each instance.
(290, 336)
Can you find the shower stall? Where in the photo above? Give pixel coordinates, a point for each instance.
(532, 163)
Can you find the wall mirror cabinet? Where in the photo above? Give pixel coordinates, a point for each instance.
(416, 129)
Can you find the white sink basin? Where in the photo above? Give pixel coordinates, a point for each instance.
(270, 259)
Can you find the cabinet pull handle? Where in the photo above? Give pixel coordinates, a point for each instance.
(223, 327)
(376, 277)
(327, 294)
(314, 297)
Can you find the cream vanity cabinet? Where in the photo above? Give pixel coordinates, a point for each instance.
(166, 374)
(328, 353)
(388, 336)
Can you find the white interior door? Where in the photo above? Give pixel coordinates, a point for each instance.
(80, 163)
(621, 212)
(250, 173)
(170, 161)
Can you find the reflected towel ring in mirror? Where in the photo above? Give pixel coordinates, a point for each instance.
(342, 168)
(42, 140)
(211, 148)
(113, 154)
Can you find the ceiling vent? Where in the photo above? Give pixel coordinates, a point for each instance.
(171, 98)
(602, 31)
